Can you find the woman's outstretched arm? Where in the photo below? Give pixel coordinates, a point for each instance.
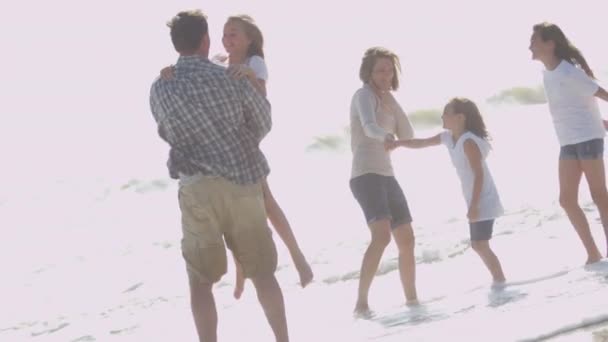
(419, 143)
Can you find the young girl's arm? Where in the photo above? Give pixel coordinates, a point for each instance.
(254, 70)
(473, 154)
(419, 143)
(259, 84)
(167, 73)
(243, 71)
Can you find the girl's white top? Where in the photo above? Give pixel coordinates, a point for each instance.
(573, 105)
(490, 206)
(258, 65)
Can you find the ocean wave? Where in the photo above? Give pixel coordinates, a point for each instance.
(145, 186)
(584, 323)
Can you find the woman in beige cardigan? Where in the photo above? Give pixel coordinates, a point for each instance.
(376, 118)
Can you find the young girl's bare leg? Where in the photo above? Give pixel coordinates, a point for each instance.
(281, 225)
(239, 286)
(482, 247)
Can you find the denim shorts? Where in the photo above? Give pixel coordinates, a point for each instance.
(591, 149)
(482, 230)
(381, 197)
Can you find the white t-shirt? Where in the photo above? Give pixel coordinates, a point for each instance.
(574, 108)
(258, 65)
(490, 206)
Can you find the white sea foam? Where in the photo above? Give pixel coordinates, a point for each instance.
(100, 260)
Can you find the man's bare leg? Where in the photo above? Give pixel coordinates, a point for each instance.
(482, 248)
(203, 309)
(271, 298)
(283, 228)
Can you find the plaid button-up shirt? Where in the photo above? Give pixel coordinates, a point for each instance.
(212, 122)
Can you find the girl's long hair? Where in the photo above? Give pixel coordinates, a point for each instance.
(253, 32)
(473, 119)
(564, 49)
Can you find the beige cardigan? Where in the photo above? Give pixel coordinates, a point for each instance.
(369, 124)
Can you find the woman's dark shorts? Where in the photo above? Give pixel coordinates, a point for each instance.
(381, 197)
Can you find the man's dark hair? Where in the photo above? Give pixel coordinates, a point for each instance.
(187, 30)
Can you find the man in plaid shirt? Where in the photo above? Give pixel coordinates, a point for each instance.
(214, 124)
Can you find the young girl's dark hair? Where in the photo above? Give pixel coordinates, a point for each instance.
(473, 119)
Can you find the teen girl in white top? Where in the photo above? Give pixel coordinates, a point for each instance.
(572, 94)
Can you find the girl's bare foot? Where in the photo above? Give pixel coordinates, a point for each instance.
(304, 271)
(412, 302)
(500, 280)
(239, 284)
(238, 289)
(499, 284)
(593, 259)
(362, 311)
(167, 73)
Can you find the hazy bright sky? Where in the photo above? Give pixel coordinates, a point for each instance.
(76, 74)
